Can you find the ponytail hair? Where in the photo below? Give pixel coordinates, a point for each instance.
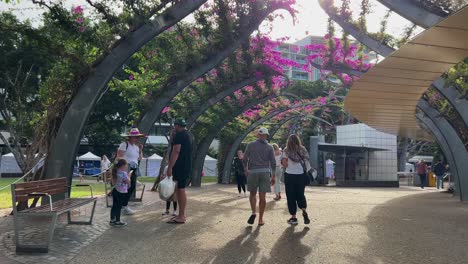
(120, 164)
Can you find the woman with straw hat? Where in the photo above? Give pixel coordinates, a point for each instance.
(132, 151)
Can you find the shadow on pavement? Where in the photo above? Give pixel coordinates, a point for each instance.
(242, 249)
(426, 228)
(289, 248)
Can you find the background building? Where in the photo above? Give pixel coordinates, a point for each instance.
(297, 52)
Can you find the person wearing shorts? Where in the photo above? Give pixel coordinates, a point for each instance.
(260, 163)
(180, 166)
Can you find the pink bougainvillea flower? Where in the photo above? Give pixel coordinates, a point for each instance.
(165, 109)
(322, 100)
(79, 20)
(214, 72)
(199, 80)
(82, 29)
(131, 77)
(78, 10)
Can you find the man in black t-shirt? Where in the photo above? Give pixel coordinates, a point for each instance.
(180, 166)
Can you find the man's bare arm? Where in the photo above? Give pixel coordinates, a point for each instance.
(172, 160)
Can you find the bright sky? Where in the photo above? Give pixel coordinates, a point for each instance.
(311, 18)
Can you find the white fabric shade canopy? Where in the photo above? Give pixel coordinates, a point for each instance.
(88, 156)
(150, 166)
(8, 164)
(210, 167)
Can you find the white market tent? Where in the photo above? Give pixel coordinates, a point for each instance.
(8, 165)
(89, 156)
(210, 167)
(150, 166)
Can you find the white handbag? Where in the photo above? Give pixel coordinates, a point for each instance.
(166, 188)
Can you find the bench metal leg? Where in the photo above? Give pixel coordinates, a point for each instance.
(35, 248)
(71, 222)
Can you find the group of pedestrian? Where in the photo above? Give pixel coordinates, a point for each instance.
(124, 175)
(263, 166)
(126, 171)
(439, 170)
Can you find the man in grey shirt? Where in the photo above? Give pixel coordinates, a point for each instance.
(260, 163)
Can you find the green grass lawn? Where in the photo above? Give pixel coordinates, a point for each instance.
(5, 195)
(98, 188)
(152, 179)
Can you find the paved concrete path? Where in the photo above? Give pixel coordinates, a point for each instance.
(349, 225)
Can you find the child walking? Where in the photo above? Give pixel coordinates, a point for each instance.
(121, 183)
(168, 203)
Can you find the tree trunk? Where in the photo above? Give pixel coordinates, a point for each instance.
(402, 153)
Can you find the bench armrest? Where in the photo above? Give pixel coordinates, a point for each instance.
(86, 185)
(38, 194)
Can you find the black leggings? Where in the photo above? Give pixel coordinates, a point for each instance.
(422, 178)
(131, 189)
(168, 205)
(240, 179)
(118, 200)
(295, 187)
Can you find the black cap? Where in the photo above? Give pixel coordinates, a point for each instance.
(180, 122)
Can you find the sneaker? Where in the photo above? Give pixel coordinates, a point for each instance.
(119, 224)
(127, 211)
(165, 213)
(112, 222)
(292, 221)
(174, 213)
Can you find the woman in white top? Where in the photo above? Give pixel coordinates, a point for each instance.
(294, 160)
(278, 172)
(105, 164)
(132, 151)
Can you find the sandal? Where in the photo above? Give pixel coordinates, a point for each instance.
(174, 221)
(251, 219)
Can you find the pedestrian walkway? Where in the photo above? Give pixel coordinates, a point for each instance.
(349, 225)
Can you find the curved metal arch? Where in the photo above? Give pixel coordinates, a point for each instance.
(412, 12)
(218, 97)
(203, 146)
(362, 37)
(280, 124)
(454, 145)
(452, 95)
(150, 117)
(235, 145)
(428, 124)
(65, 145)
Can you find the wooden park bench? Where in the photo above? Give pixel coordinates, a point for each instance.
(46, 189)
